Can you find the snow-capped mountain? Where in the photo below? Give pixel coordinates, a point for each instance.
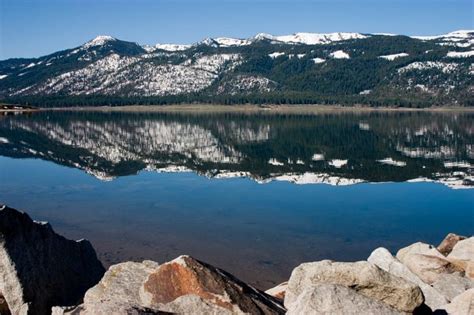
(302, 67)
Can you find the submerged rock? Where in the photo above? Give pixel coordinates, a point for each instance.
(39, 268)
(447, 245)
(384, 259)
(334, 299)
(188, 286)
(363, 277)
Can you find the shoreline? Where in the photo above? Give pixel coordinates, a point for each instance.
(278, 109)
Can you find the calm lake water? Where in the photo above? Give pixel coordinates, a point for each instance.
(254, 194)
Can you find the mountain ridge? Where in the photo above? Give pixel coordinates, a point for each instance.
(343, 68)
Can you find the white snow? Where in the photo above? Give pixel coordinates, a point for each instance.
(365, 92)
(318, 157)
(425, 65)
(394, 56)
(98, 41)
(30, 65)
(172, 47)
(319, 60)
(317, 178)
(461, 164)
(460, 54)
(390, 161)
(339, 54)
(312, 38)
(461, 34)
(276, 55)
(4, 140)
(3, 76)
(275, 162)
(338, 163)
(231, 42)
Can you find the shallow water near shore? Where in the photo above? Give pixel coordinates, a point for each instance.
(254, 194)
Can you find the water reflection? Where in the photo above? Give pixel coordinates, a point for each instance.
(338, 149)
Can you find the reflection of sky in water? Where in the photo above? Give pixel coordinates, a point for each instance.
(256, 231)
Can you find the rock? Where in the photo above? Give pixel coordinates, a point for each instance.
(336, 299)
(188, 286)
(119, 290)
(363, 277)
(463, 250)
(418, 248)
(446, 246)
(451, 285)
(39, 268)
(461, 305)
(278, 291)
(430, 268)
(384, 259)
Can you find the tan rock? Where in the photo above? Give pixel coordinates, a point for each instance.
(446, 246)
(334, 299)
(463, 250)
(430, 268)
(185, 285)
(278, 291)
(384, 259)
(363, 277)
(462, 304)
(418, 248)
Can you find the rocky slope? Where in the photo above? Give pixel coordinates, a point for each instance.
(419, 280)
(298, 68)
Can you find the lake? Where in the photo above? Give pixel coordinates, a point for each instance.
(256, 194)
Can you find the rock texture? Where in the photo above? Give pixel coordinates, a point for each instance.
(462, 255)
(39, 268)
(363, 277)
(278, 291)
(452, 285)
(188, 286)
(333, 299)
(463, 304)
(384, 260)
(447, 245)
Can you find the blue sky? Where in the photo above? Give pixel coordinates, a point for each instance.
(31, 28)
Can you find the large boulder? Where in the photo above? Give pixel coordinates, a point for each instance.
(334, 299)
(384, 259)
(363, 277)
(418, 248)
(278, 291)
(462, 304)
(447, 245)
(451, 285)
(39, 268)
(462, 255)
(119, 290)
(188, 286)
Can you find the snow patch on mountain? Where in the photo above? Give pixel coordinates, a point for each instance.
(276, 54)
(315, 38)
(339, 54)
(427, 65)
(171, 47)
(319, 60)
(99, 41)
(394, 56)
(460, 54)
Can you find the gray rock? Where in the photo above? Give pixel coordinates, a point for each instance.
(461, 305)
(118, 291)
(39, 268)
(451, 285)
(384, 259)
(334, 299)
(446, 246)
(188, 286)
(363, 277)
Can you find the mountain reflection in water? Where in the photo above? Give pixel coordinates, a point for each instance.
(337, 149)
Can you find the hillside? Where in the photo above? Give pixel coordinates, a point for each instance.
(344, 68)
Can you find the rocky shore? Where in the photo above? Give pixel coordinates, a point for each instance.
(41, 272)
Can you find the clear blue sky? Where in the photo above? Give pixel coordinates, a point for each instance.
(31, 28)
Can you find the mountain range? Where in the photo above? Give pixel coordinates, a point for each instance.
(334, 68)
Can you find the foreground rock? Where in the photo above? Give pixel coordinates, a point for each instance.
(39, 268)
(188, 286)
(384, 259)
(337, 299)
(447, 245)
(452, 285)
(278, 291)
(463, 304)
(363, 277)
(462, 255)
